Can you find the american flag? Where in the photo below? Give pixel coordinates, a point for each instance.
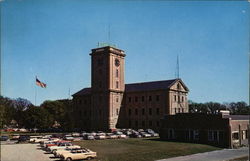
(39, 83)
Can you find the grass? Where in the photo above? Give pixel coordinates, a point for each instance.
(141, 149)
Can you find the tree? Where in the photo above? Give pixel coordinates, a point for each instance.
(36, 117)
(56, 109)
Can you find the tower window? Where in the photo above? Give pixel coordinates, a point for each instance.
(175, 98)
(150, 98)
(117, 84)
(117, 111)
(157, 111)
(182, 99)
(117, 73)
(117, 99)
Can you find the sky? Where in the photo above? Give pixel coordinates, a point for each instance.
(52, 39)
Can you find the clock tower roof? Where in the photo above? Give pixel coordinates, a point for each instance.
(108, 49)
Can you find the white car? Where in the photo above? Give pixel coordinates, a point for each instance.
(78, 155)
(59, 152)
(62, 145)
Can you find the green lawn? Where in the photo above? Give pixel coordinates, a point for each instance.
(141, 149)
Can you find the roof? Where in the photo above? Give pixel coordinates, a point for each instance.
(148, 86)
(143, 86)
(84, 91)
(237, 117)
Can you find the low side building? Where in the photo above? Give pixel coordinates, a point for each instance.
(214, 129)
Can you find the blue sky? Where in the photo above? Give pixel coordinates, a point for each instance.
(53, 39)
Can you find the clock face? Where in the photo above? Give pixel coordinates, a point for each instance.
(117, 62)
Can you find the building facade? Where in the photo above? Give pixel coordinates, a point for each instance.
(221, 130)
(110, 103)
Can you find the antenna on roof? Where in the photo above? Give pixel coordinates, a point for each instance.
(177, 72)
(109, 34)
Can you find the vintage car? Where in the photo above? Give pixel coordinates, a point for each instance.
(59, 152)
(62, 145)
(78, 155)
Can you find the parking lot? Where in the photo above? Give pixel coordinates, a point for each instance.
(23, 152)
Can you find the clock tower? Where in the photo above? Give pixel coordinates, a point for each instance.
(107, 84)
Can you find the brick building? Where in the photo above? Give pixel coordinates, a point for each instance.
(110, 103)
(222, 130)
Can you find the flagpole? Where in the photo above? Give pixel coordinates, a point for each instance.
(35, 92)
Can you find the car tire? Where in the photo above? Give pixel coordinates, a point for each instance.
(68, 159)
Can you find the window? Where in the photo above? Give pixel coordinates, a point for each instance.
(213, 135)
(178, 86)
(100, 112)
(85, 102)
(143, 111)
(175, 98)
(136, 99)
(171, 134)
(117, 111)
(117, 84)
(196, 134)
(235, 135)
(117, 73)
(129, 99)
(179, 99)
(142, 98)
(136, 112)
(175, 110)
(129, 112)
(117, 99)
(150, 111)
(150, 98)
(182, 99)
(157, 97)
(100, 84)
(80, 102)
(157, 111)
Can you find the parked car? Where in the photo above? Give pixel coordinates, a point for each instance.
(15, 137)
(78, 155)
(23, 138)
(135, 135)
(111, 136)
(62, 145)
(4, 138)
(145, 135)
(59, 152)
(89, 137)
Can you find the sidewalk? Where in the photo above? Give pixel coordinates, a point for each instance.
(218, 155)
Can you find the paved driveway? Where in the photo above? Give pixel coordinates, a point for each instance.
(218, 155)
(24, 152)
